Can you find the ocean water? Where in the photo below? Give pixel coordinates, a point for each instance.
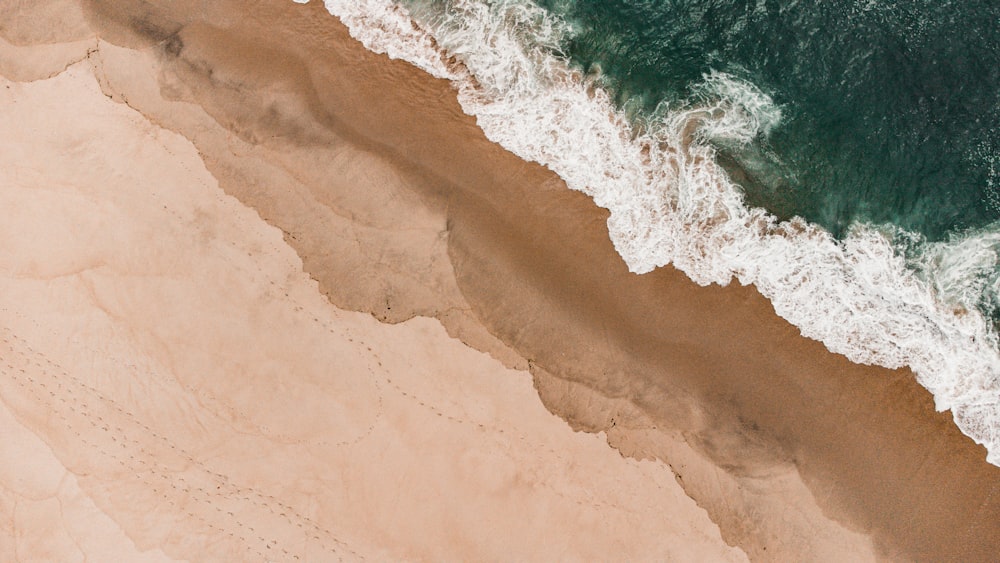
(843, 157)
(889, 109)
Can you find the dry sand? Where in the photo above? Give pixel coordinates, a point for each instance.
(175, 387)
(179, 171)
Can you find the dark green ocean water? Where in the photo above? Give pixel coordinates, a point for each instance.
(891, 109)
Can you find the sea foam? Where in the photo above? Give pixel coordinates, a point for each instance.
(671, 203)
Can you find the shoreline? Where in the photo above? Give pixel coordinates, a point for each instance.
(173, 386)
(750, 416)
(672, 204)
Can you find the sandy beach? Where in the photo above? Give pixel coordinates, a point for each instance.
(270, 296)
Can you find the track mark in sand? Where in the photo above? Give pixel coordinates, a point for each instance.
(530, 445)
(71, 401)
(347, 334)
(274, 289)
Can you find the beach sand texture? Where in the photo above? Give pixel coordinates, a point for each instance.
(270, 296)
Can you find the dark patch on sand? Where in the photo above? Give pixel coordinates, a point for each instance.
(173, 45)
(155, 32)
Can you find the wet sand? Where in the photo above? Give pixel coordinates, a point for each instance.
(398, 206)
(175, 387)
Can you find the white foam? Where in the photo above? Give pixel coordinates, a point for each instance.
(963, 270)
(671, 203)
(746, 111)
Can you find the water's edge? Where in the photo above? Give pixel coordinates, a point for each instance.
(671, 202)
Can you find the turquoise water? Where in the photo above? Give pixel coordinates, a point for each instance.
(891, 110)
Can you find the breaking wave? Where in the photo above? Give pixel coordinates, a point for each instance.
(879, 295)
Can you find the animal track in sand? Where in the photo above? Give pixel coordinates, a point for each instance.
(274, 289)
(530, 445)
(63, 396)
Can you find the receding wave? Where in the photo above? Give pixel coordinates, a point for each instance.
(878, 295)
